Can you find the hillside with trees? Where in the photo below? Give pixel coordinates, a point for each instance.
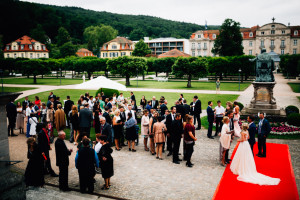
(24, 18)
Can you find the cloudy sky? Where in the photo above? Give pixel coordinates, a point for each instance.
(247, 12)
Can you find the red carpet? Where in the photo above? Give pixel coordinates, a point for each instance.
(277, 164)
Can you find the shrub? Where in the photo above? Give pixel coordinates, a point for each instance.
(291, 109)
(241, 106)
(294, 119)
(107, 92)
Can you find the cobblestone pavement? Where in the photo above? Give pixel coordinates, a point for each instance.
(138, 175)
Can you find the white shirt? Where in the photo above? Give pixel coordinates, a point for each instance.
(28, 111)
(33, 122)
(219, 110)
(126, 113)
(120, 99)
(98, 147)
(91, 105)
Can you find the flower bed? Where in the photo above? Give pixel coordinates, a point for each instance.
(285, 129)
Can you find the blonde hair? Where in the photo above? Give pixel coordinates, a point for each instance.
(225, 119)
(117, 111)
(245, 126)
(230, 104)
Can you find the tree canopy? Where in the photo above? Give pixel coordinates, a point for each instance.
(229, 41)
(63, 36)
(141, 49)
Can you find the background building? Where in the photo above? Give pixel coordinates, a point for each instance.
(119, 46)
(84, 52)
(26, 47)
(274, 37)
(162, 45)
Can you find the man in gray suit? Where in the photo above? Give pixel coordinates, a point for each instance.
(85, 119)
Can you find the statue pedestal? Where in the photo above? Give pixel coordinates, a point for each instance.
(263, 100)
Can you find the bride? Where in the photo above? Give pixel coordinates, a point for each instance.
(243, 163)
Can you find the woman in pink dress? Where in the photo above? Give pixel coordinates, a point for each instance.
(236, 119)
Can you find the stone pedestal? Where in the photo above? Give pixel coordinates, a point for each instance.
(263, 99)
(11, 184)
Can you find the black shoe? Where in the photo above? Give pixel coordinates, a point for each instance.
(179, 159)
(157, 157)
(129, 149)
(262, 156)
(176, 162)
(192, 164)
(53, 175)
(13, 135)
(189, 165)
(133, 150)
(169, 154)
(211, 137)
(198, 128)
(259, 154)
(153, 154)
(184, 159)
(227, 162)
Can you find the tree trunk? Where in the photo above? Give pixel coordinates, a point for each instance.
(89, 75)
(156, 74)
(106, 74)
(27, 76)
(167, 74)
(72, 74)
(57, 74)
(34, 79)
(143, 77)
(127, 80)
(189, 85)
(42, 75)
(242, 78)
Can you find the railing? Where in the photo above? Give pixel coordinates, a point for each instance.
(282, 46)
(262, 46)
(272, 47)
(205, 48)
(193, 48)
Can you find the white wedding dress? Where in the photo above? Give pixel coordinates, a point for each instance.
(243, 165)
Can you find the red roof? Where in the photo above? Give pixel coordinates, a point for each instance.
(26, 41)
(173, 53)
(293, 29)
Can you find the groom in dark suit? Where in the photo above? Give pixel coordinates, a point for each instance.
(210, 118)
(263, 130)
(252, 131)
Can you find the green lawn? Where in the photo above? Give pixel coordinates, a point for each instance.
(170, 97)
(295, 87)
(16, 89)
(228, 86)
(42, 81)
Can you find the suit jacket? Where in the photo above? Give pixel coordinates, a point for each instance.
(85, 117)
(55, 104)
(187, 109)
(123, 116)
(180, 109)
(155, 105)
(198, 108)
(176, 129)
(24, 103)
(133, 99)
(109, 105)
(11, 110)
(107, 117)
(68, 106)
(210, 114)
(106, 129)
(252, 131)
(50, 96)
(169, 121)
(231, 125)
(265, 129)
(62, 153)
(163, 108)
(43, 141)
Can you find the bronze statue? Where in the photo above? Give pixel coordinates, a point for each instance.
(264, 67)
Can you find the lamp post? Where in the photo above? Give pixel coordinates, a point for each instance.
(60, 75)
(1, 71)
(137, 77)
(240, 79)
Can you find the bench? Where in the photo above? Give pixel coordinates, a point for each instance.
(162, 79)
(203, 79)
(68, 76)
(18, 75)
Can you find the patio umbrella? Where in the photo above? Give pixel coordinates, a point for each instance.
(101, 82)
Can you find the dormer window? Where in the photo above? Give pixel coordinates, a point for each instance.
(214, 36)
(30, 47)
(272, 31)
(295, 32)
(37, 47)
(262, 33)
(283, 32)
(273, 26)
(15, 48)
(199, 36)
(114, 46)
(44, 48)
(123, 46)
(250, 34)
(7, 47)
(22, 46)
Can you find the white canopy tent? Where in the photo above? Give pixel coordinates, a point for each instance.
(101, 82)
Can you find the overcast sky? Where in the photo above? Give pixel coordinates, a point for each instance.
(247, 12)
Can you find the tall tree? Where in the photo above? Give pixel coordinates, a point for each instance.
(63, 36)
(191, 67)
(229, 41)
(39, 34)
(34, 67)
(141, 49)
(67, 49)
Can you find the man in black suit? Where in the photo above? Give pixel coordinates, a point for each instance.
(210, 119)
(109, 104)
(186, 108)
(107, 116)
(252, 131)
(44, 145)
(154, 103)
(62, 160)
(51, 95)
(163, 107)
(132, 97)
(85, 119)
(169, 119)
(105, 129)
(176, 133)
(56, 102)
(25, 103)
(11, 113)
(263, 131)
(179, 108)
(67, 109)
(123, 119)
(197, 110)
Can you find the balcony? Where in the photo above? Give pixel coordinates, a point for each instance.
(193, 48)
(282, 46)
(272, 46)
(205, 48)
(262, 46)
(199, 48)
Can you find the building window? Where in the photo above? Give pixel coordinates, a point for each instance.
(103, 55)
(123, 46)
(273, 26)
(15, 48)
(193, 53)
(250, 43)
(283, 31)
(295, 32)
(282, 51)
(294, 51)
(15, 55)
(123, 53)
(199, 53)
(130, 53)
(272, 42)
(214, 36)
(272, 31)
(295, 42)
(199, 45)
(22, 55)
(7, 48)
(250, 52)
(114, 46)
(205, 46)
(31, 55)
(7, 56)
(250, 34)
(262, 43)
(37, 47)
(22, 46)
(199, 36)
(30, 47)
(262, 33)
(204, 53)
(193, 45)
(282, 42)
(44, 55)
(38, 55)
(44, 48)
